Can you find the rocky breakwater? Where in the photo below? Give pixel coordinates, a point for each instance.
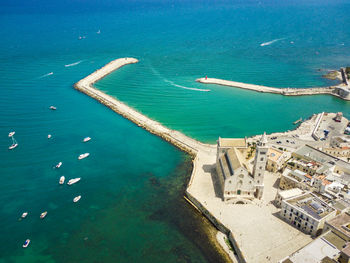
(176, 138)
(340, 91)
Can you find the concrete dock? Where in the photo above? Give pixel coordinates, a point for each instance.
(341, 91)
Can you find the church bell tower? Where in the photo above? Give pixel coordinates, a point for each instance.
(260, 165)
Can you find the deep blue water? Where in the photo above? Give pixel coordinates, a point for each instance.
(131, 208)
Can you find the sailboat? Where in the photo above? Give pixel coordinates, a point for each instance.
(14, 143)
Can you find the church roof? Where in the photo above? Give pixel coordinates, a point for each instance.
(236, 159)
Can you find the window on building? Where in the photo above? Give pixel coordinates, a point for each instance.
(312, 227)
(291, 210)
(297, 213)
(260, 167)
(290, 214)
(307, 219)
(262, 159)
(305, 223)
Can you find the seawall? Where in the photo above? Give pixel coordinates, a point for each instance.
(337, 91)
(178, 139)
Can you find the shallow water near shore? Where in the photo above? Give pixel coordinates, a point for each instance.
(132, 184)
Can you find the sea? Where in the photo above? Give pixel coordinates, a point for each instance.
(132, 184)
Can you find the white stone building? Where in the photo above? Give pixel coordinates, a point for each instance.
(307, 212)
(238, 183)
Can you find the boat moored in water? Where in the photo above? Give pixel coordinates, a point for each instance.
(14, 143)
(24, 215)
(73, 181)
(62, 178)
(42, 215)
(11, 133)
(84, 155)
(13, 146)
(86, 139)
(26, 243)
(53, 108)
(77, 198)
(58, 165)
(49, 136)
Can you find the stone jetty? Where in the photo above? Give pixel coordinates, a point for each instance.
(341, 91)
(178, 139)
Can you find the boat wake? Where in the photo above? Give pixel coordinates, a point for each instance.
(73, 64)
(46, 75)
(183, 87)
(176, 85)
(271, 42)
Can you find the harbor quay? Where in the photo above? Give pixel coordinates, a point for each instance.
(341, 91)
(229, 184)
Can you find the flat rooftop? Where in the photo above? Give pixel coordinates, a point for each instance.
(341, 223)
(232, 142)
(274, 154)
(290, 193)
(320, 250)
(311, 205)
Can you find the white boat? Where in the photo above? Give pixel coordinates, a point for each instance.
(14, 143)
(58, 165)
(26, 243)
(11, 133)
(62, 180)
(42, 215)
(84, 155)
(13, 146)
(49, 136)
(53, 108)
(77, 198)
(24, 214)
(86, 139)
(99, 31)
(73, 181)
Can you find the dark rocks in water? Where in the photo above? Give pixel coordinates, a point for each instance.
(333, 75)
(154, 181)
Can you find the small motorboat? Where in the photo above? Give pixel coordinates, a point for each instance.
(26, 243)
(11, 133)
(14, 142)
(73, 181)
(42, 215)
(62, 180)
(86, 139)
(58, 165)
(84, 155)
(53, 108)
(77, 198)
(49, 136)
(24, 215)
(14, 145)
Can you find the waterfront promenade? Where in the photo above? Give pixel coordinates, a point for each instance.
(340, 91)
(254, 230)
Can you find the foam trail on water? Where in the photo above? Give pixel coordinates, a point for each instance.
(271, 42)
(73, 64)
(183, 87)
(174, 84)
(46, 75)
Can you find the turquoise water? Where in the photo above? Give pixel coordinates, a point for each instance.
(132, 184)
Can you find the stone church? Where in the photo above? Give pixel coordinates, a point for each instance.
(240, 184)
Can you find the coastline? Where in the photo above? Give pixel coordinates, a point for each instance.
(341, 91)
(201, 192)
(192, 147)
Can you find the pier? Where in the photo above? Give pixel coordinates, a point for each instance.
(341, 91)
